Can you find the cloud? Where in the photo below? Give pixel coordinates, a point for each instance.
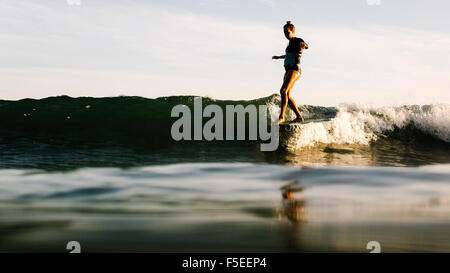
(151, 50)
(390, 65)
(270, 3)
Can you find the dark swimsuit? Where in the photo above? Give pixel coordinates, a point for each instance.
(293, 54)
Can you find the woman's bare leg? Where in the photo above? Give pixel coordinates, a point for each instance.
(291, 101)
(293, 106)
(290, 78)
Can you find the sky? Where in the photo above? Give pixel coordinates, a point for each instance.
(375, 52)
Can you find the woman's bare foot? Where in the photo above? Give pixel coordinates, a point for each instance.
(280, 120)
(299, 119)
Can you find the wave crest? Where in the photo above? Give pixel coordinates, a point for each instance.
(137, 120)
(360, 124)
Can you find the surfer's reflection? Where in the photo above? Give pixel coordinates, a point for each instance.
(294, 209)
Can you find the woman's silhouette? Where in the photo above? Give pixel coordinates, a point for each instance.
(293, 70)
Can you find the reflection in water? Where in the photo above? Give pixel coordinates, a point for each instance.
(380, 153)
(295, 211)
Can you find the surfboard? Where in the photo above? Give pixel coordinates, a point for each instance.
(306, 122)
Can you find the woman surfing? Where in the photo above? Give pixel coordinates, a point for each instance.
(293, 70)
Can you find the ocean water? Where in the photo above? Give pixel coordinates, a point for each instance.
(106, 173)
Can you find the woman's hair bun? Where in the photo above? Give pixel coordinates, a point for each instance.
(289, 26)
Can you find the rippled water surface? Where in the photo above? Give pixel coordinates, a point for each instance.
(106, 172)
(226, 207)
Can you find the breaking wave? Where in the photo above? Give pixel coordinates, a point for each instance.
(131, 120)
(360, 124)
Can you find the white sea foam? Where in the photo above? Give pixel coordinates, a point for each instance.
(360, 124)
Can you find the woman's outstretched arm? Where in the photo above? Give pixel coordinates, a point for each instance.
(278, 57)
(305, 45)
